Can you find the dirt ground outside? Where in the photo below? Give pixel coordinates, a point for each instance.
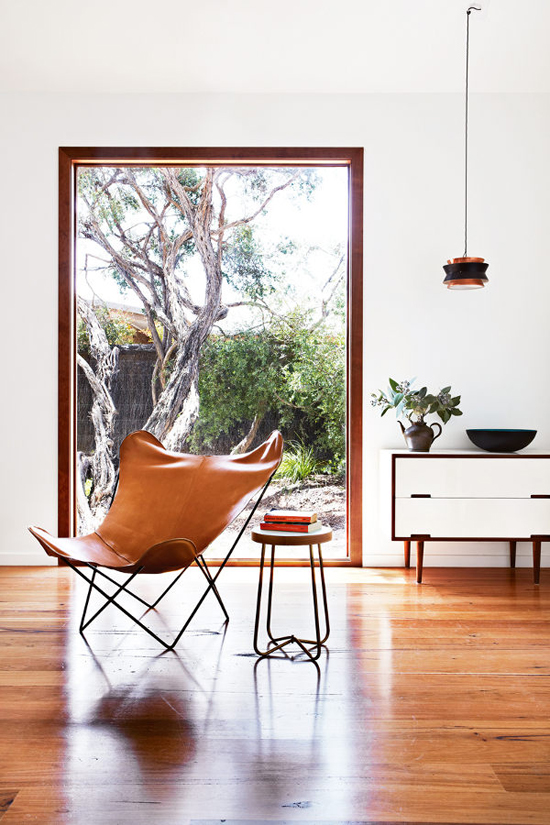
(323, 494)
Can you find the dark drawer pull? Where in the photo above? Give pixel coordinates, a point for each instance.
(536, 495)
(421, 495)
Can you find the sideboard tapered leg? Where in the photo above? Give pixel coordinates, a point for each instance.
(407, 548)
(419, 561)
(536, 560)
(513, 553)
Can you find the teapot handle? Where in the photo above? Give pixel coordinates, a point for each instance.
(436, 424)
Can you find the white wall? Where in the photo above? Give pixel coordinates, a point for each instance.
(491, 345)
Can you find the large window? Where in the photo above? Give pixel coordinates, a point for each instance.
(211, 300)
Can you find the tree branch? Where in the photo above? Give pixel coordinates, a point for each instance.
(250, 218)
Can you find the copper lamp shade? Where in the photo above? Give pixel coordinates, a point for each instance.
(465, 273)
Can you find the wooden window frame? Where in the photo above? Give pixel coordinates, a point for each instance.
(70, 159)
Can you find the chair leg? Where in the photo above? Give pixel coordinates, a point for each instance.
(109, 599)
(138, 598)
(208, 575)
(243, 528)
(210, 587)
(170, 586)
(90, 588)
(116, 584)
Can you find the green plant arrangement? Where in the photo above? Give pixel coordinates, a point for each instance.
(414, 405)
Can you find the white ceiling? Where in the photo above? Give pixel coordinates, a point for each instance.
(283, 46)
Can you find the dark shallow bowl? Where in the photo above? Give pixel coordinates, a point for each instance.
(501, 441)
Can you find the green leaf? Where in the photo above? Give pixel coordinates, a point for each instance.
(454, 411)
(385, 410)
(393, 384)
(422, 392)
(446, 389)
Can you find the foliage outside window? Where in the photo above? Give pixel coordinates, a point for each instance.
(234, 340)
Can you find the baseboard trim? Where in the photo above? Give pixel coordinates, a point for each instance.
(524, 559)
(440, 560)
(27, 560)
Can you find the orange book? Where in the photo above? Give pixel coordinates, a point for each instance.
(290, 527)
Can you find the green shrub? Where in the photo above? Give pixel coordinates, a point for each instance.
(292, 374)
(298, 462)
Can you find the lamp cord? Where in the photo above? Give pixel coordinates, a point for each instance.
(469, 11)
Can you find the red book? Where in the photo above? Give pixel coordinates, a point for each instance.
(293, 516)
(290, 527)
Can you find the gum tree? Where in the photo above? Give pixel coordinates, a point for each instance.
(150, 227)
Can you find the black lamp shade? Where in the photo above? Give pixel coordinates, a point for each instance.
(465, 273)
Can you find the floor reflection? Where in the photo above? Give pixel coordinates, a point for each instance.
(136, 718)
(422, 693)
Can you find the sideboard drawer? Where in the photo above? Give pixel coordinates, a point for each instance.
(490, 518)
(473, 477)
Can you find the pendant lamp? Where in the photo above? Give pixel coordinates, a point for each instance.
(466, 272)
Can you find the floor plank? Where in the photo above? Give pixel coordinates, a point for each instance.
(431, 705)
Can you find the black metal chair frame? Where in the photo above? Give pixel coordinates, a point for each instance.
(123, 588)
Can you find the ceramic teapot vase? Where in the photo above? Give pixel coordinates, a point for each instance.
(419, 437)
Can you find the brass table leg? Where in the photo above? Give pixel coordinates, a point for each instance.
(278, 642)
(273, 638)
(324, 588)
(324, 592)
(258, 602)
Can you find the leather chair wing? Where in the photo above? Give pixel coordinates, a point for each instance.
(163, 496)
(167, 509)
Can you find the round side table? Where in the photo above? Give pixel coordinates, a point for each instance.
(278, 538)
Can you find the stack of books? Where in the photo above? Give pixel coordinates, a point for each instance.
(291, 521)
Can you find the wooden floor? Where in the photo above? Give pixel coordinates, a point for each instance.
(432, 704)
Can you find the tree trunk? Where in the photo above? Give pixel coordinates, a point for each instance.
(179, 399)
(150, 266)
(246, 442)
(102, 414)
(85, 519)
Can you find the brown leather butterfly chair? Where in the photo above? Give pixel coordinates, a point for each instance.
(168, 508)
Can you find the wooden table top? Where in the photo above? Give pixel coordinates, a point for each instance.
(283, 537)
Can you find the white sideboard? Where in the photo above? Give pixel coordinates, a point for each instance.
(467, 496)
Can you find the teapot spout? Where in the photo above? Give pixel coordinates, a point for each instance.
(402, 427)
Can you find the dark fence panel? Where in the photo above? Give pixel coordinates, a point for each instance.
(131, 391)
